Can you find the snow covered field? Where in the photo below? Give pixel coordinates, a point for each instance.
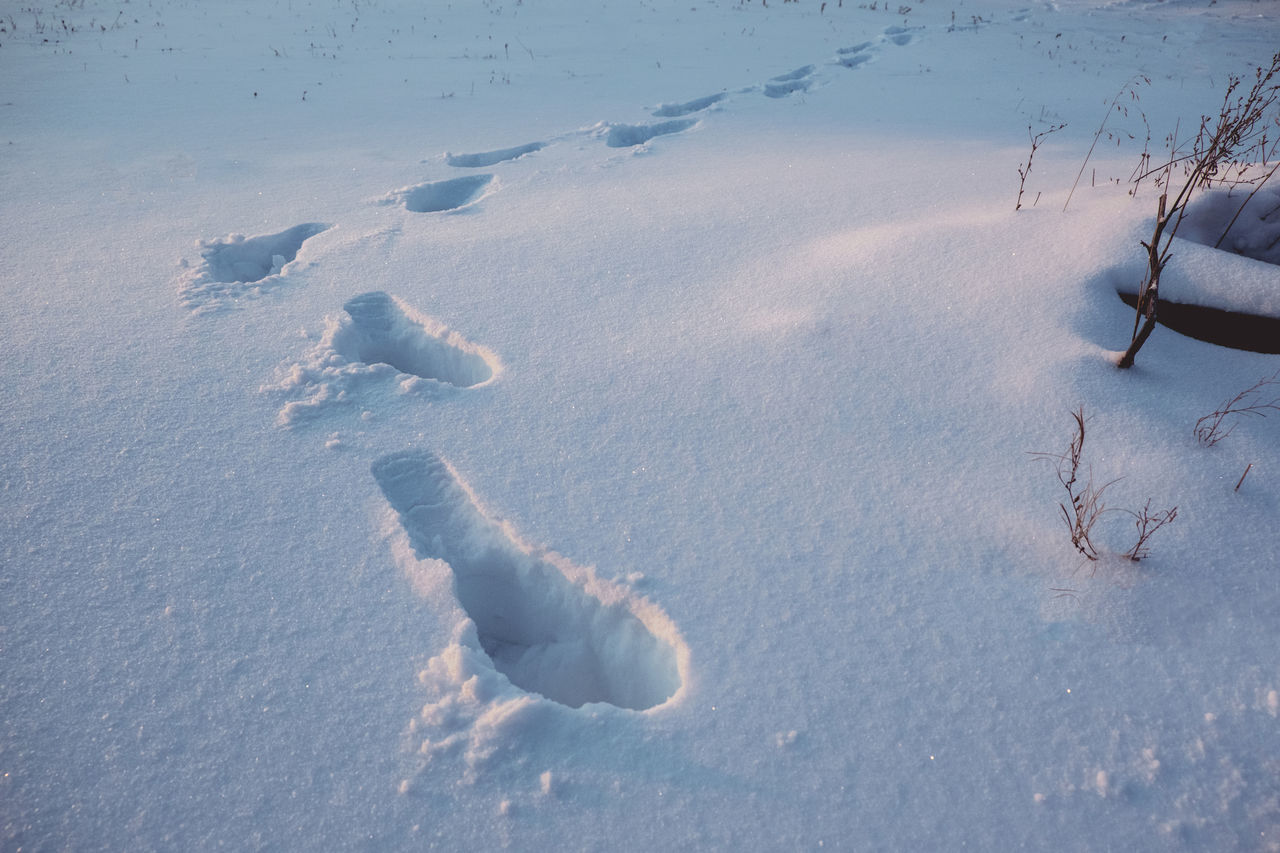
(607, 425)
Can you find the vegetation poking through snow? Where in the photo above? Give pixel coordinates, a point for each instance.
(1210, 428)
(1231, 150)
(1025, 169)
(1084, 505)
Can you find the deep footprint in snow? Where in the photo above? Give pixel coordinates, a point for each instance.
(572, 641)
(442, 196)
(630, 135)
(485, 159)
(380, 337)
(237, 265)
(785, 84)
(250, 259)
(381, 332)
(694, 106)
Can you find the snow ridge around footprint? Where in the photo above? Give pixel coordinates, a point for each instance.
(381, 337)
(551, 627)
(238, 266)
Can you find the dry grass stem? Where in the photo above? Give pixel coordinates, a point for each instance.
(1210, 430)
(1148, 522)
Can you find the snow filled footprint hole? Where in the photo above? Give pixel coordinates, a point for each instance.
(574, 641)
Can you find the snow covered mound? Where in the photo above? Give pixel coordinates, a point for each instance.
(572, 641)
(1240, 221)
(1209, 278)
(380, 337)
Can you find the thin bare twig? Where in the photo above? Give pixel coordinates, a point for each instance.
(1148, 523)
(1083, 497)
(1209, 429)
(1023, 172)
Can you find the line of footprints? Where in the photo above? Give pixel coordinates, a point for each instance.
(550, 627)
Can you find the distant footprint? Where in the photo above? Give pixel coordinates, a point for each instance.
(380, 337)
(572, 641)
(239, 266)
(860, 54)
(489, 158)
(630, 135)
(785, 84)
(901, 36)
(694, 106)
(441, 196)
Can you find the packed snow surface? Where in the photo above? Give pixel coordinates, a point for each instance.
(545, 424)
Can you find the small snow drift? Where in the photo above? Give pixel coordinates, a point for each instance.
(571, 641)
(629, 135)
(1216, 326)
(443, 196)
(694, 106)
(249, 259)
(793, 81)
(1235, 221)
(382, 331)
(485, 159)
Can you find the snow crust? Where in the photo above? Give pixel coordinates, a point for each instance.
(544, 425)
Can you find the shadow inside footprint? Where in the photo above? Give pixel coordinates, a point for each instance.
(250, 259)
(852, 57)
(785, 84)
(546, 633)
(442, 196)
(901, 36)
(485, 159)
(694, 106)
(382, 332)
(628, 135)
